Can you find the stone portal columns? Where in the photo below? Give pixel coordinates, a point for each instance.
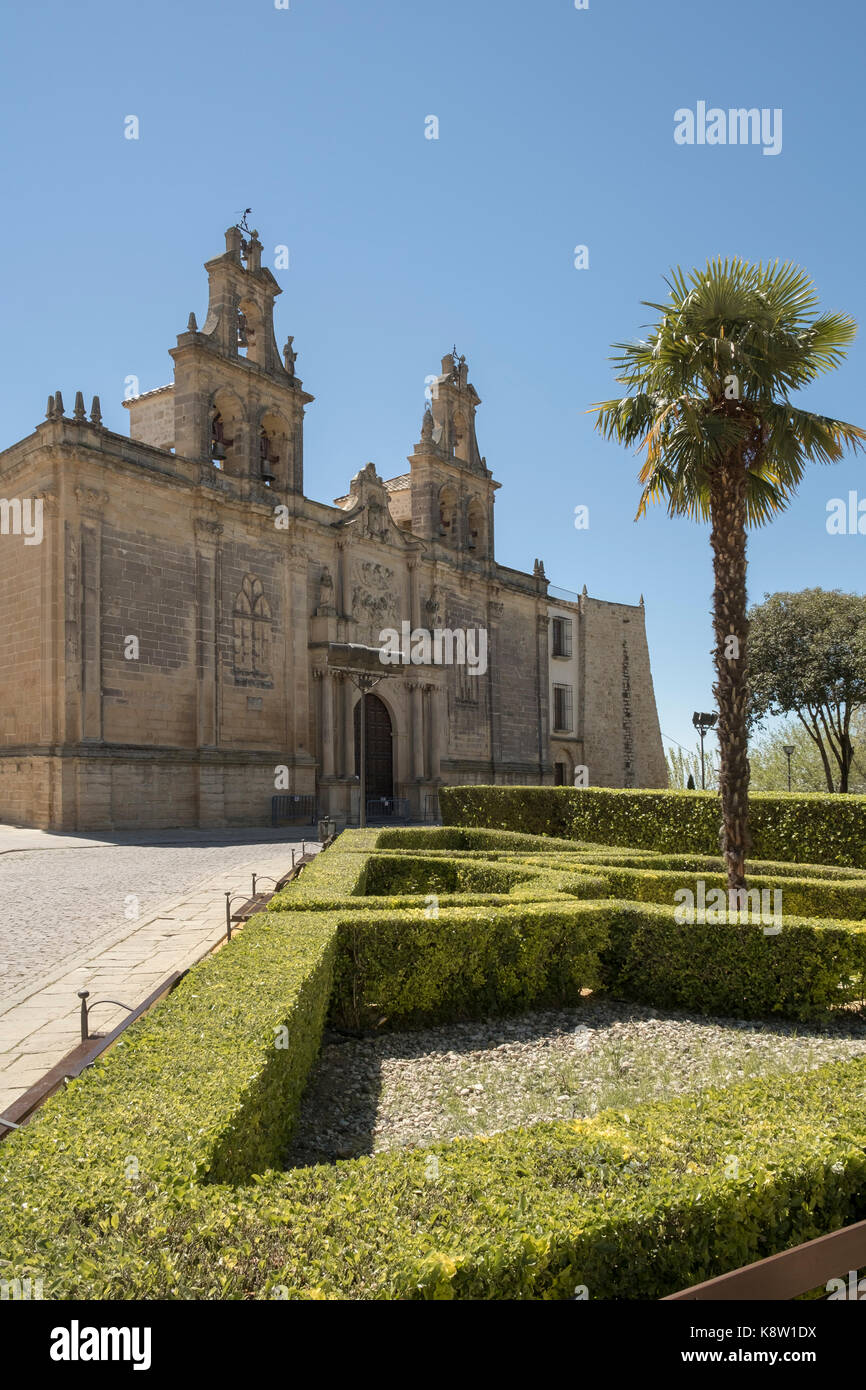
(326, 722)
(348, 748)
(416, 716)
(434, 734)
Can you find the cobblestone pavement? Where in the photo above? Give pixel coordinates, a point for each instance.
(116, 918)
(55, 902)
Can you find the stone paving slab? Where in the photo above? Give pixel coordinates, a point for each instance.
(61, 895)
(40, 1024)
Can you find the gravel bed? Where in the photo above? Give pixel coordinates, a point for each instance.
(415, 1089)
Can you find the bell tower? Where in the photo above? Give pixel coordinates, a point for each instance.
(453, 407)
(237, 400)
(452, 487)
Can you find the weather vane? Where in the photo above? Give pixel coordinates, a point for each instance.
(243, 225)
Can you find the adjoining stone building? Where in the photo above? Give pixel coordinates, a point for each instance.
(166, 642)
(603, 720)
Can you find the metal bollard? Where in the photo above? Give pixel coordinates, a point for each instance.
(84, 995)
(228, 914)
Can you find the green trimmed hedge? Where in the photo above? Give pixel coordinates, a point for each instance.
(628, 1204)
(800, 897)
(631, 1204)
(413, 873)
(466, 962)
(492, 954)
(407, 970)
(740, 971)
(198, 1088)
(785, 826)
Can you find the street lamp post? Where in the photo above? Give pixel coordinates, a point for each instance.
(702, 723)
(788, 750)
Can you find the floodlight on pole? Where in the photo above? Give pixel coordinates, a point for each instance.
(703, 722)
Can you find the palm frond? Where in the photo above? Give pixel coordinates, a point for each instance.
(711, 382)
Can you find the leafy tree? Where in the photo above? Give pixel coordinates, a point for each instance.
(808, 658)
(708, 398)
(769, 765)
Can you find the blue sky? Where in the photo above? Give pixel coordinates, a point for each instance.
(555, 129)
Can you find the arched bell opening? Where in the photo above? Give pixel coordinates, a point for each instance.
(448, 514)
(273, 450)
(477, 527)
(226, 431)
(251, 336)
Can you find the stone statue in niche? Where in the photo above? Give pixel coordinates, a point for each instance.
(377, 519)
(326, 594)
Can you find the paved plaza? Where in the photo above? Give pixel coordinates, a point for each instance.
(116, 915)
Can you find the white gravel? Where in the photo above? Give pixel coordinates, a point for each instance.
(415, 1089)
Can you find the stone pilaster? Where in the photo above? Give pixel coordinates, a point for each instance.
(416, 704)
(207, 534)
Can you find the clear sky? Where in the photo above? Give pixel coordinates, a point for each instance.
(556, 129)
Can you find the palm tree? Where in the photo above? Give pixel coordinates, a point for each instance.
(709, 400)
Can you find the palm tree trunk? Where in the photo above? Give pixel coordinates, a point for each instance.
(728, 540)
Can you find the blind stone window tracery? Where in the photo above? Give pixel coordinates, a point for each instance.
(252, 628)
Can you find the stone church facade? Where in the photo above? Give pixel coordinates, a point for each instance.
(169, 628)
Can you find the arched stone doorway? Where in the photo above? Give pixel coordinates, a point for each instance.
(380, 747)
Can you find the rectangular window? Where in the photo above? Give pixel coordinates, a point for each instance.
(562, 708)
(562, 637)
